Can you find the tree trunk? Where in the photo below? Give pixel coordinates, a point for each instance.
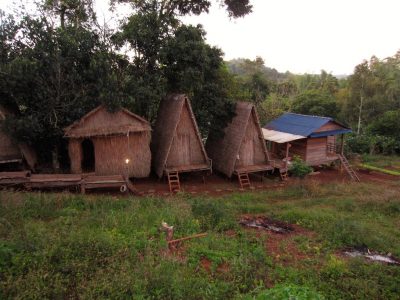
(360, 109)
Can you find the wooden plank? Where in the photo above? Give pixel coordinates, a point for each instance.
(11, 175)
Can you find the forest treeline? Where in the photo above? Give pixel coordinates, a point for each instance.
(57, 62)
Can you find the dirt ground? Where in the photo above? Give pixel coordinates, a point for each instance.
(216, 185)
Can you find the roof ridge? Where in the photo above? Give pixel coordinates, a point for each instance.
(314, 116)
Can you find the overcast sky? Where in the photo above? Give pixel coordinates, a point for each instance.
(303, 36)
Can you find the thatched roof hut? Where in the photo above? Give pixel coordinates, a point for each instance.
(10, 150)
(242, 148)
(176, 142)
(110, 143)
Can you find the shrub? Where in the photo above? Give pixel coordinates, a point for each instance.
(289, 291)
(372, 144)
(299, 168)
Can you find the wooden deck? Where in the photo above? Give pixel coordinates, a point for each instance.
(54, 181)
(253, 169)
(82, 181)
(106, 182)
(14, 178)
(188, 168)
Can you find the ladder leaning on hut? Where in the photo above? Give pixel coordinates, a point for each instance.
(345, 163)
(173, 181)
(244, 180)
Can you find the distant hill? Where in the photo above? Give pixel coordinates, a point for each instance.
(244, 66)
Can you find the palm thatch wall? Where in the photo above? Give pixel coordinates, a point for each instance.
(121, 143)
(176, 142)
(10, 150)
(242, 144)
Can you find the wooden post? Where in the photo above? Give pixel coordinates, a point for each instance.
(287, 154)
(342, 145)
(341, 151)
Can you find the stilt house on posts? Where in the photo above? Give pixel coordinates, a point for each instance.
(314, 139)
(13, 154)
(177, 146)
(241, 150)
(110, 143)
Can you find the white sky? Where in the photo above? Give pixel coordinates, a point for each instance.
(302, 36)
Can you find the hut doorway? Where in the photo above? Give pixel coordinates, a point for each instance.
(88, 156)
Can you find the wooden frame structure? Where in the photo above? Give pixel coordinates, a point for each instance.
(241, 150)
(312, 138)
(119, 142)
(177, 146)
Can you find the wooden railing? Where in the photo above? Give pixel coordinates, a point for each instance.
(331, 148)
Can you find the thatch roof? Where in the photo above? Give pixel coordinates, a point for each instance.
(101, 122)
(10, 150)
(224, 151)
(168, 117)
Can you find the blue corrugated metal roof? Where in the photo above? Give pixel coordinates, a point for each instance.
(298, 124)
(330, 132)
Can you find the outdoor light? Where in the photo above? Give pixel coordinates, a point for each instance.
(127, 161)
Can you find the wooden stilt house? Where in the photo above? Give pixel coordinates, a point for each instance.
(314, 139)
(110, 143)
(177, 146)
(242, 149)
(13, 154)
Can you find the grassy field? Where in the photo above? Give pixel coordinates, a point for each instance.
(383, 161)
(55, 246)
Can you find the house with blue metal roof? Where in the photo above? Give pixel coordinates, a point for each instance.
(312, 138)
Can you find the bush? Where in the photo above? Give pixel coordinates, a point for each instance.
(299, 168)
(372, 144)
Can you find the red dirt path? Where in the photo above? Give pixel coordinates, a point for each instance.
(217, 185)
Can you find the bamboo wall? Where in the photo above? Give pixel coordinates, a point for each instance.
(75, 155)
(185, 148)
(8, 149)
(111, 153)
(251, 150)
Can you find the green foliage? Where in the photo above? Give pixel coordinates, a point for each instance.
(299, 168)
(291, 291)
(213, 215)
(314, 102)
(387, 125)
(372, 144)
(65, 246)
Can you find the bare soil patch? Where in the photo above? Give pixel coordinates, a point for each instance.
(280, 244)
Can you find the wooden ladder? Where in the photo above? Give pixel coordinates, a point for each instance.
(244, 180)
(173, 182)
(348, 168)
(284, 174)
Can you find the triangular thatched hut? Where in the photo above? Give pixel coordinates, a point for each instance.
(110, 143)
(176, 144)
(12, 152)
(241, 150)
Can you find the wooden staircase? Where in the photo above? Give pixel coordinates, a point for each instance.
(283, 173)
(348, 168)
(173, 181)
(244, 180)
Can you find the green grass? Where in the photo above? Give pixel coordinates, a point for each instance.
(63, 245)
(382, 161)
(385, 171)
